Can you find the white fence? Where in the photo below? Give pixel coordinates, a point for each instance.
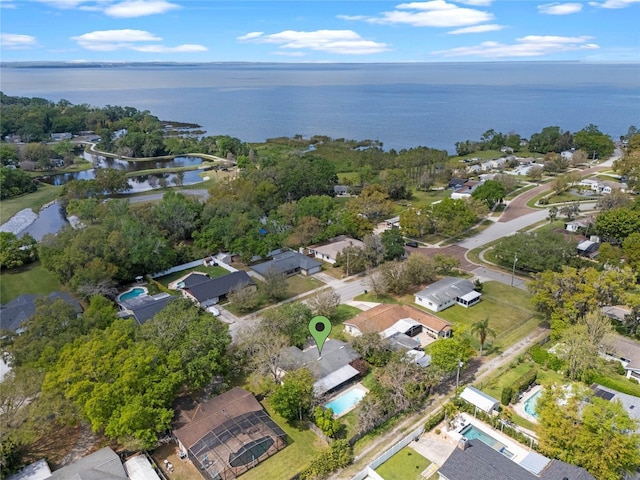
(370, 470)
(186, 266)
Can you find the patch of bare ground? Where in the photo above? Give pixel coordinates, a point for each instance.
(182, 469)
(63, 445)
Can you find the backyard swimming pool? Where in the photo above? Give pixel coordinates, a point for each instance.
(530, 404)
(132, 293)
(470, 432)
(346, 401)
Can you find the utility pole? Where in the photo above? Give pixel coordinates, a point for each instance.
(458, 375)
(513, 270)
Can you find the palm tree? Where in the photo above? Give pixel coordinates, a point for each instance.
(482, 329)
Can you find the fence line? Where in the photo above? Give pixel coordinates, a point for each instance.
(186, 266)
(388, 454)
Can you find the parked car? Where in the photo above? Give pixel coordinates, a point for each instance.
(412, 244)
(214, 311)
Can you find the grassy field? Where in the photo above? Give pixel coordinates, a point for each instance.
(424, 199)
(34, 201)
(508, 309)
(33, 278)
(302, 446)
(407, 464)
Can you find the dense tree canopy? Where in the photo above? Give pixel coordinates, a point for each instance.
(576, 427)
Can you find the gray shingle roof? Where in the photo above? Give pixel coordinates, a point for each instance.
(210, 288)
(286, 262)
(480, 461)
(24, 307)
(144, 307)
(447, 288)
(104, 464)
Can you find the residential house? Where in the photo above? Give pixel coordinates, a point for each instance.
(456, 183)
(226, 435)
(506, 149)
(341, 190)
(466, 190)
(331, 371)
(289, 263)
(393, 222)
(479, 399)
(22, 308)
(567, 155)
(207, 291)
(391, 320)
(605, 187)
(35, 471)
(588, 248)
(616, 312)
(448, 292)
(144, 307)
(630, 403)
(627, 352)
(328, 251)
(474, 169)
(574, 226)
(61, 136)
(474, 459)
(526, 160)
(104, 464)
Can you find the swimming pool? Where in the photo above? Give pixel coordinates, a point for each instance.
(346, 401)
(470, 432)
(530, 404)
(129, 294)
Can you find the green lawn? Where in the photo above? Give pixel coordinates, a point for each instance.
(509, 310)
(424, 199)
(33, 278)
(35, 201)
(213, 272)
(302, 446)
(407, 464)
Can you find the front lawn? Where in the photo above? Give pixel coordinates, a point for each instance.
(407, 464)
(302, 446)
(32, 278)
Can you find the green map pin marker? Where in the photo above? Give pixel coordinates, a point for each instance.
(320, 328)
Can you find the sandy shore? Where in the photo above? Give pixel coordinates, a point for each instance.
(19, 221)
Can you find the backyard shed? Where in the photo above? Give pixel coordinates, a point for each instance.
(479, 399)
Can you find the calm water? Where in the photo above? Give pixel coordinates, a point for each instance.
(402, 105)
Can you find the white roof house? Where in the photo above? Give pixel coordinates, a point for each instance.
(328, 251)
(139, 468)
(446, 293)
(480, 399)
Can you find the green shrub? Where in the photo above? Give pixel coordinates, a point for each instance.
(338, 455)
(434, 420)
(507, 395)
(522, 383)
(539, 355)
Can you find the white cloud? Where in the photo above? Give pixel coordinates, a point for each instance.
(139, 8)
(163, 49)
(434, 13)
(346, 42)
(477, 29)
(15, 41)
(476, 3)
(110, 40)
(560, 8)
(7, 4)
(66, 4)
(250, 36)
(528, 46)
(614, 3)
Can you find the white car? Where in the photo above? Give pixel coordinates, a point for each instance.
(214, 311)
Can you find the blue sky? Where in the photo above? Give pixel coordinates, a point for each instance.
(319, 31)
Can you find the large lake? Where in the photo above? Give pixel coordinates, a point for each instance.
(402, 105)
